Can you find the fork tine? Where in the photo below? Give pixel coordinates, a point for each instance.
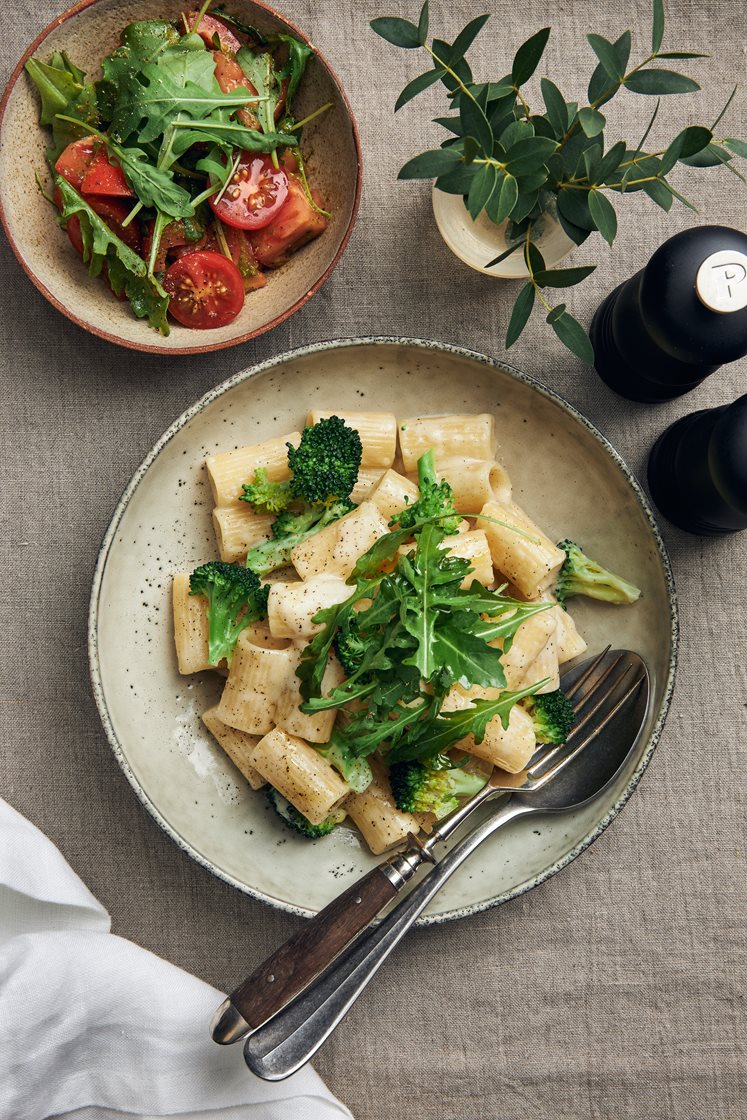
(587, 673)
(593, 711)
(566, 759)
(597, 685)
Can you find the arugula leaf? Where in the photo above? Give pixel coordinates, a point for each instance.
(260, 70)
(140, 44)
(180, 82)
(467, 656)
(434, 737)
(58, 88)
(127, 272)
(295, 65)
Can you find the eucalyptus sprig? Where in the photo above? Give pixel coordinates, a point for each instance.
(518, 163)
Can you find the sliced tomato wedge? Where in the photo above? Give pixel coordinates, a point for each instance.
(113, 213)
(206, 290)
(255, 194)
(209, 27)
(75, 160)
(230, 76)
(173, 239)
(105, 178)
(296, 224)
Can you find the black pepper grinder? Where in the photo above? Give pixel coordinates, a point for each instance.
(659, 334)
(697, 470)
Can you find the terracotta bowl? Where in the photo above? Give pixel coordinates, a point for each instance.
(88, 32)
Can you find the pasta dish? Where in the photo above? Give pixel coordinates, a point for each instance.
(389, 622)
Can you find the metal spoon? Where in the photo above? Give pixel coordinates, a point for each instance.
(288, 1040)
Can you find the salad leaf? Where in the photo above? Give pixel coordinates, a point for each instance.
(153, 185)
(293, 68)
(127, 272)
(161, 93)
(260, 70)
(140, 43)
(58, 88)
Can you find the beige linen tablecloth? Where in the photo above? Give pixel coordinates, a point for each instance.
(613, 991)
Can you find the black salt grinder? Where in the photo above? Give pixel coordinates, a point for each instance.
(659, 334)
(697, 470)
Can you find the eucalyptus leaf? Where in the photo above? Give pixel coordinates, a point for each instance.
(453, 124)
(526, 204)
(429, 164)
(709, 157)
(657, 31)
(681, 54)
(416, 86)
(659, 83)
(601, 86)
(520, 314)
(563, 277)
(660, 193)
(482, 187)
(466, 38)
(557, 110)
(528, 154)
(603, 213)
(591, 121)
(535, 262)
(528, 56)
(574, 205)
(608, 56)
(572, 334)
(399, 32)
(688, 143)
(476, 124)
(459, 180)
(423, 24)
(612, 160)
(514, 132)
(737, 146)
(503, 199)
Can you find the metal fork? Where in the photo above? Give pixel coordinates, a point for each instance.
(599, 690)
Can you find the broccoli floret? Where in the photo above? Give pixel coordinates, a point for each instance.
(349, 646)
(552, 714)
(324, 471)
(356, 771)
(326, 462)
(235, 599)
(298, 822)
(266, 496)
(288, 530)
(436, 500)
(427, 789)
(581, 576)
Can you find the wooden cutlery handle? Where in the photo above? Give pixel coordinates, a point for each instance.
(284, 974)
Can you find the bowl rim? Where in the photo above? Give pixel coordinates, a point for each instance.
(206, 348)
(319, 348)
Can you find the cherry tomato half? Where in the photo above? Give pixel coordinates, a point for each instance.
(209, 27)
(254, 195)
(75, 160)
(206, 290)
(104, 177)
(113, 213)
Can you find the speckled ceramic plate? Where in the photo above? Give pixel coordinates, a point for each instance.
(564, 472)
(331, 146)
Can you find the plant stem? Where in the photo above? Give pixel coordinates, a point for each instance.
(200, 14)
(533, 282)
(451, 73)
(311, 116)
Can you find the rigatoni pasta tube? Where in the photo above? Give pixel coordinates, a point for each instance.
(238, 528)
(568, 641)
(511, 747)
(229, 470)
(528, 642)
(291, 606)
(378, 432)
(374, 812)
(190, 627)
(236, 744)
(474, 482)
(520, 549)
(299, 773)
(471, 436)
(472, 546)
(393, 493)
(367, 481)
(257, 680)
(335, 550)
(544, 665)
(315, 727)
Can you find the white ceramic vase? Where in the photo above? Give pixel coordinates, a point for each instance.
(478, 242)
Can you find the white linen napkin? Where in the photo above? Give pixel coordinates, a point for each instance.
(94, 1027)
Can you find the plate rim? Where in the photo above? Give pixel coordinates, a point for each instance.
(147, 347)
(257, 370)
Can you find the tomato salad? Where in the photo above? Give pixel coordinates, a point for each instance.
(178, 175)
